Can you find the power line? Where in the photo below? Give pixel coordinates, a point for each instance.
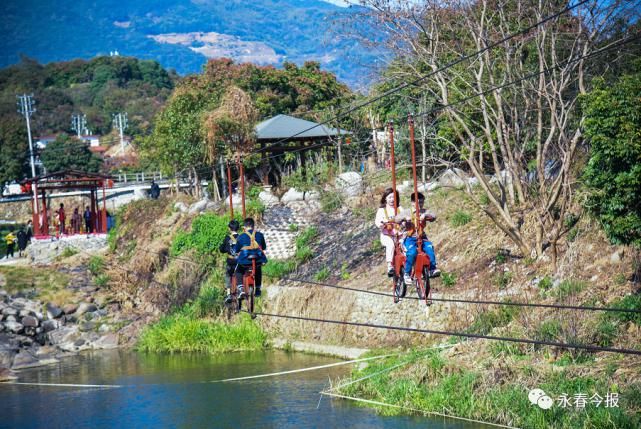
(458, 334)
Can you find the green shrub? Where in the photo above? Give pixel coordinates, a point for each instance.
(545, 283)
(488, 320)
(68, 252)
(606, 331)
(96, 265)
(569, 288)
(344, 272)
(303, 254)
(207, 303)
(620, 279)
(448, 279)
(331, 201)
(305, 237)
(549, 330)
(322, 275)
(631, 302)
(501, 256)
(207, 233)
(460, 218)
(293, 227)
(277, 269)
(255, 208)
(101, 280)
(503, 279)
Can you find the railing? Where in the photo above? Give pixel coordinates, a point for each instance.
(139, 177)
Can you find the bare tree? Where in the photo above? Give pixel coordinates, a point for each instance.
(510, 113)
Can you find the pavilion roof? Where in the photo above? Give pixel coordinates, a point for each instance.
(284, 127)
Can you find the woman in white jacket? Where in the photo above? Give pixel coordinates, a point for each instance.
(385, 214)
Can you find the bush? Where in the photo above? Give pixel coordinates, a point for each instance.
(448, 279)
(460, 218)
(102, 280)
(96, 265)
(331, 201)
(322, 275)
(207, 233)
(545, 283)
(305, 237)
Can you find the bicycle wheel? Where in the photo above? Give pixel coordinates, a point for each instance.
(250, 302)
(420, 286)
(400, 288)
(427, 286)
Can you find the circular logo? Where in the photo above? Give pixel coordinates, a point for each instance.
(545, 402)
(534, 395)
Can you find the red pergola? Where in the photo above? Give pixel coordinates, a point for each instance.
(68, 180)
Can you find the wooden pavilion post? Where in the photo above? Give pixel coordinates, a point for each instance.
(104, 207)
(44, 228)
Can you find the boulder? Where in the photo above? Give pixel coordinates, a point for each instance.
(181, 207)
(10, 319)
(14, 327)
(267, 198)
(350, 184)
(7, 375)
(24, 359)
(109, 341)
(10, 311)
(292, 195)
(29, 322)
(428, 187)
(198, 207)
(70, 308)
(453, 178)
(50, 325)
(86, 307)
(53, 312)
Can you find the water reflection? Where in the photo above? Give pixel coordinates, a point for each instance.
(172, 391)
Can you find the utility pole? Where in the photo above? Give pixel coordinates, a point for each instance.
(120, 122)
(79, 124)
(25, 107)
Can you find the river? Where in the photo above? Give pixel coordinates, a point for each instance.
(176, 391)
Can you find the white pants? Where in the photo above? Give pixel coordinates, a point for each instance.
(388, 243)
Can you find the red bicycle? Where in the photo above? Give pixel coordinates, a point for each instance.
(399, 288)
(248, 290)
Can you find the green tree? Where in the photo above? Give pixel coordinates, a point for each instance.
(67, 153)
(613, 127)
(14, 150)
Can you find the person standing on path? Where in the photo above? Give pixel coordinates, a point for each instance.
(10, 238)
(62, 218)
(87, 217)
(22, 242)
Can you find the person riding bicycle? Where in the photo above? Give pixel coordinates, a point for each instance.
(250, 244)
(228, 246)
(410, 221)
(386, 214)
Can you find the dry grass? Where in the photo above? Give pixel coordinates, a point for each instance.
(47, 283)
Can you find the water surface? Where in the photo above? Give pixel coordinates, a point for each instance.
(173, 391)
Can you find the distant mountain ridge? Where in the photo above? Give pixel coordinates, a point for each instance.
(180, 34)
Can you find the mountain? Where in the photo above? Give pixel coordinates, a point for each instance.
(181, 34)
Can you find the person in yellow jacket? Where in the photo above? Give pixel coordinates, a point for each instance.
(11, 242)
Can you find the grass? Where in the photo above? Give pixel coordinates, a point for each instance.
(545, 283)
(460, 218)
(279, 268)
(448, 279)
(331, 201)
(96, 265)
(322, 275)
(181, 333)
(49, 285)
(293, 227)
(344, 275)
(67, 253)
(502, 280)
(568, 288)
(433, 383)
(101, 280)
(488, 320)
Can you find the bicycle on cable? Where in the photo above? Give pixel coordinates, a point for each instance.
(251, 256)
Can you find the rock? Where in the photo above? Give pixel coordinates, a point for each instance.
(312, 196)
(79, 342)
(30, 322)
(10, 311)
(453, 178)
(292, 195)
(6, 355)
(350, 184)
(24, 359)
(267, 198)
(181, 207)
(85, 307)
(100, 313)
(11, 319)
(101, 300)
(19, 303)
(87, 326)
(70, 308)
(109, 341)
(53, 312)
(198, 207)
(616, 257)
(14, 327)
(104, 328)
(64, 337)
(7, 375)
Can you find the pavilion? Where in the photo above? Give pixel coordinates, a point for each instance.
(67, 180)
(284, 133)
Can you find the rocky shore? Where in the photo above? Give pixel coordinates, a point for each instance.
(33, 333)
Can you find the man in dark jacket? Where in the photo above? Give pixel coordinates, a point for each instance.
(229, 247)
(251, 243)
(22, 241)
(88, 224)
(154, 191)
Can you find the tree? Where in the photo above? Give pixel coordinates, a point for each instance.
(613, 128)
(14, 150)
(68, 153)
(509, 112)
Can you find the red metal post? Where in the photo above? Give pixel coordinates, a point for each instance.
(231, 203)
(242, 184)
(35, 210)
(393, 165)
(104, 208)
(44, 229)
(419, 228)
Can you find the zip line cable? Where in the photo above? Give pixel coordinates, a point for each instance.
(457, 334)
